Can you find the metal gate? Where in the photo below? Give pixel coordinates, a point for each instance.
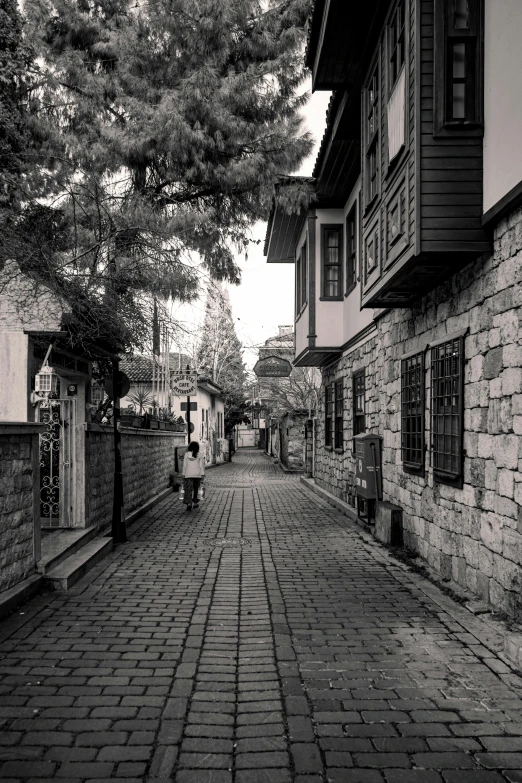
(57, 448)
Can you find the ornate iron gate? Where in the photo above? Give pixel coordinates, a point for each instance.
(56, 460)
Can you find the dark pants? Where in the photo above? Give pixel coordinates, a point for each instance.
(191, 487)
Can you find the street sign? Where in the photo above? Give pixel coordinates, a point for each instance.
(184, 384)
(273, 367)
(193, 406)
(124, 385)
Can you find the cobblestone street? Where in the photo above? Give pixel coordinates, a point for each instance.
(258, 639)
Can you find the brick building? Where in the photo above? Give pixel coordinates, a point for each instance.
(408, 281)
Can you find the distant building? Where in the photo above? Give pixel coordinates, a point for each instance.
(150, 385)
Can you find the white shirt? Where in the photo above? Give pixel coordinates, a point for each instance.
(193, 467)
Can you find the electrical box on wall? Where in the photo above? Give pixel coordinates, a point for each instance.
(368, 468)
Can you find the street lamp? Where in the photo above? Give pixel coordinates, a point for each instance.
(46, 381)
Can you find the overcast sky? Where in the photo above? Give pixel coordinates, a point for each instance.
(265, 298)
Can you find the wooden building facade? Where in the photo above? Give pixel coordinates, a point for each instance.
(408, 282)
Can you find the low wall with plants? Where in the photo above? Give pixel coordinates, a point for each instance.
(147, 463)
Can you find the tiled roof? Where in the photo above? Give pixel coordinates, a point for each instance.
(331, 114)
(139, 368)
(313, 31)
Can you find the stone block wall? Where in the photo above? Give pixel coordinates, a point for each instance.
(18, 474)
(472, 535)
(335, 471)
(147, 462)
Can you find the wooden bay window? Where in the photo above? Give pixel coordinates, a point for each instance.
(458, 64)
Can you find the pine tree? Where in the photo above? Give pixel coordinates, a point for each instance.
(220, 355)
(159, 128)
(14, 60)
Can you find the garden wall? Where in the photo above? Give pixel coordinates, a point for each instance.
(147, 462)
(19, 502)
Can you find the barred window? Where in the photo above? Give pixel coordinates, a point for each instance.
(339, 409)
(359, 403)
(328, 414)
(447, 386)
(412, 413)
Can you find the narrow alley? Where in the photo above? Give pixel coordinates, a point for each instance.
(257, 639)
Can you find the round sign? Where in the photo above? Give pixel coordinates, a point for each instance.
(124, 384)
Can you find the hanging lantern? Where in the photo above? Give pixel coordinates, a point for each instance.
(46, 381)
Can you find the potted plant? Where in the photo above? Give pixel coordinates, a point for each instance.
(127, 417)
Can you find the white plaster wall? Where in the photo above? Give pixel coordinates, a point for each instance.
(502, 99)
(301, 331)
(328, 315)
(14, 380)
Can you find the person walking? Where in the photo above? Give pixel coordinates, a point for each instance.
(193, 474)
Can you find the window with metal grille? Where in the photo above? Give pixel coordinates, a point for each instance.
(359, 403)
(328, 414)
(447, 386)
(412, 413)
(339, 410)
(351, 249)
(396, 42)
(332, 262)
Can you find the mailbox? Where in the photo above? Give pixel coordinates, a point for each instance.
(368, 470)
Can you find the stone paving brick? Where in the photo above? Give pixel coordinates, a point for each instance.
(306, 655)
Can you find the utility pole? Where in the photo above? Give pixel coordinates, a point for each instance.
(188, 411)
(119, 532)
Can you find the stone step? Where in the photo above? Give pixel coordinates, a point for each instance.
(67, 573)
(61, 544)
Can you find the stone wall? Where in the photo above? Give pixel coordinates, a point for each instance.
(292, 440)
(19, 460)
(147, 462)
(472, 535)
(335, 471)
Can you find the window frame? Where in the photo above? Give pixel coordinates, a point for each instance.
(352, 248)
(372, 122)
(357, 429)
(298, 284)
(447, 35)
(338, 439)
(328, 415)
(455, 474)
(417, 467)
(304, 274)
(338, 228)
(396, 43)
